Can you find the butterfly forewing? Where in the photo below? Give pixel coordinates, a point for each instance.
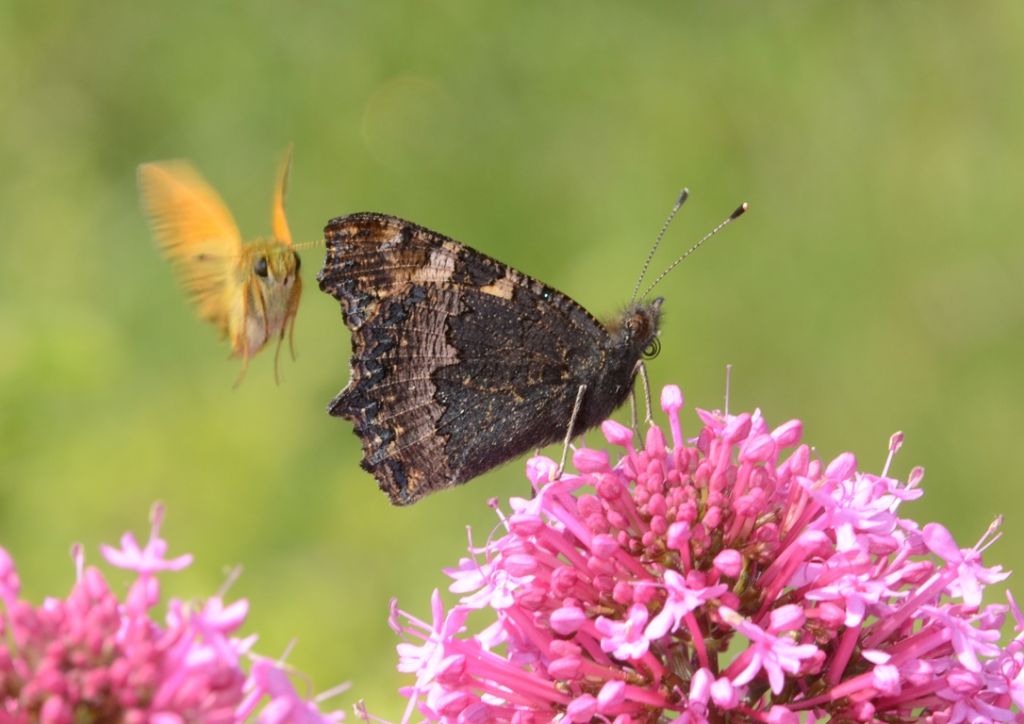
(196, 233)
(459, 362)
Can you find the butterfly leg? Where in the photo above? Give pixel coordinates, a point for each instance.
(277, 359)
(568, 432)
(241, 372)
(641, 369)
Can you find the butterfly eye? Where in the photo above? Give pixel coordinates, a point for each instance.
(260, 267)
(298, 261)
(652, 349)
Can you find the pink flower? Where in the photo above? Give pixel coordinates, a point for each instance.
(681, 599)
(150, 559)
(91, 657)
(728, 576)
(776, 655)
(625, 639)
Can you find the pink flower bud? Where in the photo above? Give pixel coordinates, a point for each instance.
(611, 695)
(964, 682)
(886, 678)
(842, 468)
(781, 715)
(590, 461)
(729, 562)
(622, 593)
(737, 428)
(56, 710)
(788, 434)
(786, 618)
(644, 592)
(724, 694)
(10, 585)
(603, 546)
(758, 449)
(700, 686)
(654, 443)
(671, 399)
(678, 535)
(557, 648)
(525, 524)
(567, 620)
(520, 565)
(617, 433)
(608, 487)
(582, 708)
(453, 703)
(566, 668)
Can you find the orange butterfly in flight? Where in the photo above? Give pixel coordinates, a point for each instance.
(249, 291)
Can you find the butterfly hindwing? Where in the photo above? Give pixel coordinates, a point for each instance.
(459, 362)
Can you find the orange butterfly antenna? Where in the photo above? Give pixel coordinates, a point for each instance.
(308, 245)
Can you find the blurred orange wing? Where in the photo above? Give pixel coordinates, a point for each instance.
(279, 224)
(196, 233)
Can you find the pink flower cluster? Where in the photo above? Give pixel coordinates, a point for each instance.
(731, 577)
(91, 657)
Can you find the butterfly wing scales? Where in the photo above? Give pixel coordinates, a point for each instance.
(459, 362)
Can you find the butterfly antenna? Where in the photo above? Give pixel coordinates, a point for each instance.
(302, 245)
(740, 210)
(683, 195)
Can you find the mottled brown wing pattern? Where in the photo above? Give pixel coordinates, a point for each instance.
(459, 362)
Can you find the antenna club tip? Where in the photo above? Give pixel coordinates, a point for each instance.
(740, 210)
(683, 196)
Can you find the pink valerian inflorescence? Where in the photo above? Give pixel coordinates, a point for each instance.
(92, 657)
(732, 577)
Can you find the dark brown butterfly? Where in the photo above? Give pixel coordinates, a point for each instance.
(461, 363)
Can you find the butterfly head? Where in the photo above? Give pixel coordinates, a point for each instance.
(271, 288)
(637, 329)
(271, 264)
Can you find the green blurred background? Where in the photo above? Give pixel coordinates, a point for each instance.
(875, 286)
